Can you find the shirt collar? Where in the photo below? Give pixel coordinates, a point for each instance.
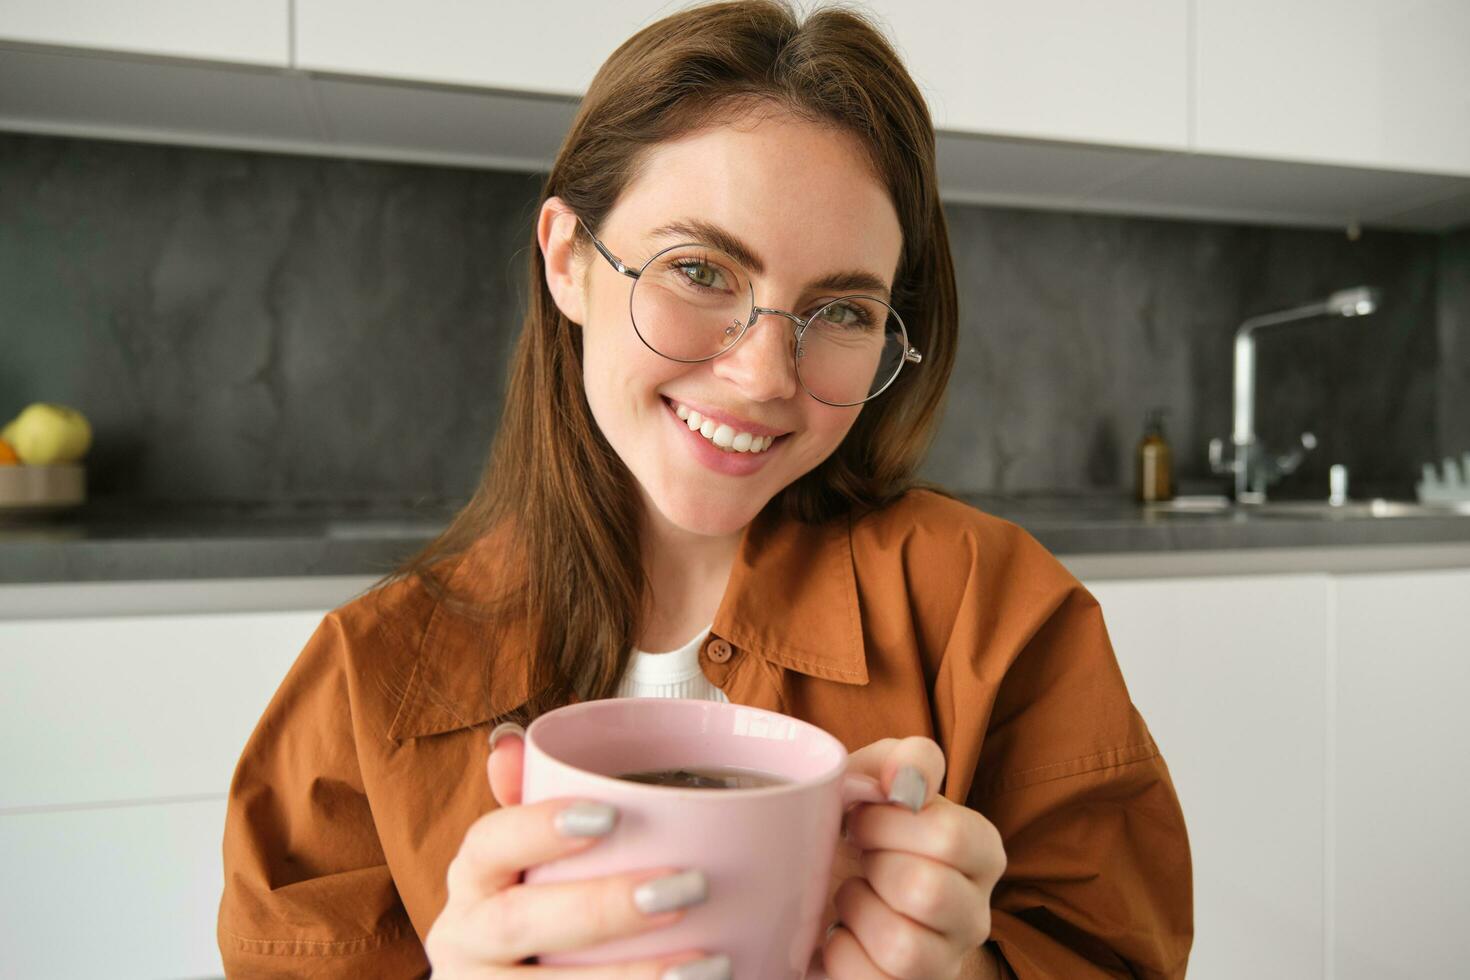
(792, 600)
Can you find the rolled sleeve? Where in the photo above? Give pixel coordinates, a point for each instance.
(308, 892)
(1098, 881)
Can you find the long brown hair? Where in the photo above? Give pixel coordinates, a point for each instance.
(553, 487)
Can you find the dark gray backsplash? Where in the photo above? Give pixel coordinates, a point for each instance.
(1454, 342)
(258, 327)
(243, 326)
(1075, 324)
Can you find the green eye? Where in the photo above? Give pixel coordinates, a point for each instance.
(846, 315)
(700, 273)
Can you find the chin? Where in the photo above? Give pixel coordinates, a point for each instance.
(704, 516)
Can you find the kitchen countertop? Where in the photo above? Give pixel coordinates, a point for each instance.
(1095, 535)
(133, 542)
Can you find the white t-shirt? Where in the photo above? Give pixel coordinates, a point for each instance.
(675, 674)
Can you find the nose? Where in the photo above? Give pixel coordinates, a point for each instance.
(762, 364)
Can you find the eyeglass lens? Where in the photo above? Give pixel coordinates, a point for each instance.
(691, 302)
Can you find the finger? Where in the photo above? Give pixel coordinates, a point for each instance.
(932, 894)
(888, 761)
(843, 956)
(846, 863)
(700, 967)
(815, 968)
(503, 843)
(531, 920)
(894, 943)
(506, 763)
(945, 832)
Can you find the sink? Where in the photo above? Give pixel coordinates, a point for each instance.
(1191, 505)
(1359, 508)
(1375, 508)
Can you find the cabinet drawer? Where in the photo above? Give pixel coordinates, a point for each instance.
(136, 707)
(1229, 673)
(119, 892)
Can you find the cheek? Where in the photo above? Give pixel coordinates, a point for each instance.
(619, 373)
(826, 427)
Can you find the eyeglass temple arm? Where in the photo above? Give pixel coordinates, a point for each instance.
(617, 263)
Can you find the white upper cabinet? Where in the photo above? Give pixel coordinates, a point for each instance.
(1113, 73)
(1373, 83)
(243, 31)
(1309, 113)
(550, 48)
(1006, 67)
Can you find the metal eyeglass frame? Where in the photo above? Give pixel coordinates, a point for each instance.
(909, 353)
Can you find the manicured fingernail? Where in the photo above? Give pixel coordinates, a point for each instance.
(908, 789)
(710, 968)
(586, 819)
(671, 892)
(504, 729)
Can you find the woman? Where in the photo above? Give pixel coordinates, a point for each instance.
(741, 325)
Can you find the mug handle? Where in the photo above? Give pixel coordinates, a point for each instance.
(855, 790)
(861, 789)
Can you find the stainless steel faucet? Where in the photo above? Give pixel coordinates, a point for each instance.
(1253, 467)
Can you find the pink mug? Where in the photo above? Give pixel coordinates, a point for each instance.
(767, 852)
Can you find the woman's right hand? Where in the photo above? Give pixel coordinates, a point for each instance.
(492, 922)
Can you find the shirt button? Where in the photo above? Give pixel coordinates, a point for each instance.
(718, 651)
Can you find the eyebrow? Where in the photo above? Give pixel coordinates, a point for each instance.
(706, 232)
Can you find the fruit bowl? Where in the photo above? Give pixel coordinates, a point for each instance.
(40, 489)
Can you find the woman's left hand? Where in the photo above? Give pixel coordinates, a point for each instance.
(917, 905)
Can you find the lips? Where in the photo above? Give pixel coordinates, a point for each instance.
(735, 422)
(705, 452)
(722, 434)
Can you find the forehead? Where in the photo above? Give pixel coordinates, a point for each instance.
(800, 192)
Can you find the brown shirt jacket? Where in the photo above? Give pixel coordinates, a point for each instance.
(927, 618)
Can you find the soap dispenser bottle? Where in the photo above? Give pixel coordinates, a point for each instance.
(1155, 468)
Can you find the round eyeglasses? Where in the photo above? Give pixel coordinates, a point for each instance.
(694, 302)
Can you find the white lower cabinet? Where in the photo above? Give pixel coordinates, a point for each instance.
(129, 708)
(1313, 725)
(1228, 673)
(115, 892)
(1315, 728)
(1400, 780)
(120, 735)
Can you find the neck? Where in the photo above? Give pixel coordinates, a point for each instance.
(687, 574)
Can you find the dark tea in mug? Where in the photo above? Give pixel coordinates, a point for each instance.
(706, 777)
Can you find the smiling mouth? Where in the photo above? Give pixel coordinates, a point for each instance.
(724, 437)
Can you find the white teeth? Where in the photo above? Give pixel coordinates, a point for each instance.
(724, 436)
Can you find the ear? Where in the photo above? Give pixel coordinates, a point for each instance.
(556, 229)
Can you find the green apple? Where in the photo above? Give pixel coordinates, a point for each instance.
(45, 433)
